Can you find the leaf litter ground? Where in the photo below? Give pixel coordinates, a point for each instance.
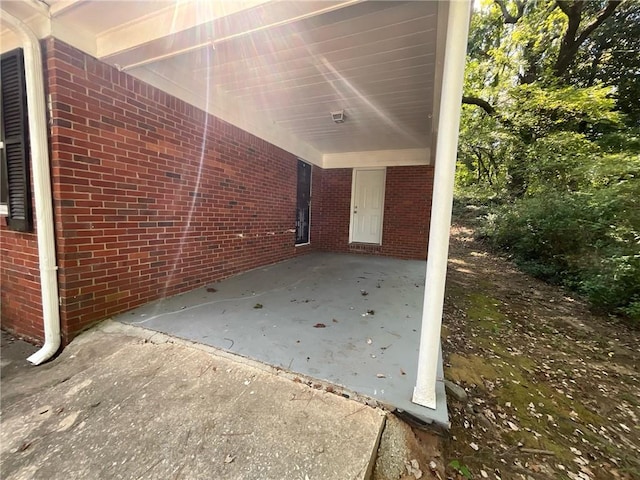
(554, 390)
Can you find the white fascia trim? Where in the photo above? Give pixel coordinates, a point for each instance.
(62, 6)
(178, 17)
(441, 40)
(39, 24)
(44, 26)
(377, 158)
(74, 36)
(228, 110)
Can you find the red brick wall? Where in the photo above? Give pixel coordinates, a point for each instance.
(21, 305)
(153, 196)
(407, 210)
(335, 210)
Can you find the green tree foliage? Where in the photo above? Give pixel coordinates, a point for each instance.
(550, 126)
(611, 56)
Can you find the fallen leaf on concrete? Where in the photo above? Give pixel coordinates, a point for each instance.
(229, 459)
(67, 422)
(24, 446)
(211, 290)
(319, 325)
(334, 320)
(257, 305)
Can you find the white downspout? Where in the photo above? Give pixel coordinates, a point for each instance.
(36, 108)
(446, 151)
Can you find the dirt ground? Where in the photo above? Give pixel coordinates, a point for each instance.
(553, 390)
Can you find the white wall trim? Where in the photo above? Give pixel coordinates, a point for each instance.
(377, 158)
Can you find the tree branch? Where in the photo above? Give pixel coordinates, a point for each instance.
(479, 102)
(564, 6)
(520, 8)
(506, 14)
(605, 13)
(571, 41)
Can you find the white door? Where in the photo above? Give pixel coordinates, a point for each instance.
(367, 205)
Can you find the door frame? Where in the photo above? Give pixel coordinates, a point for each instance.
(310, 195)
(353, 198)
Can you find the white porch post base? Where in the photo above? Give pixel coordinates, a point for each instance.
(425, 396)
(446, 151)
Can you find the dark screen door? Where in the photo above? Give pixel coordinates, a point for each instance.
(303, 204)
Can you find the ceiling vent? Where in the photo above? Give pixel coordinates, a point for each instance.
(338, 116)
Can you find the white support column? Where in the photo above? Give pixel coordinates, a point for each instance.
(445, 164)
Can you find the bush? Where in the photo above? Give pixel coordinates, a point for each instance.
(588, 242)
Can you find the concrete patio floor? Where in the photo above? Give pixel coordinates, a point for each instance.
(351, 320)
(117, 405)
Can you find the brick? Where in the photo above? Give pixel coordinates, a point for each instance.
(139, 213)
